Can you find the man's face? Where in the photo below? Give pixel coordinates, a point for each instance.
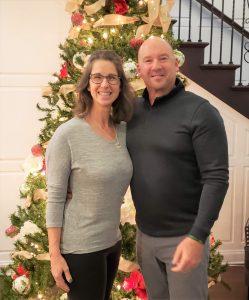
(157, 66)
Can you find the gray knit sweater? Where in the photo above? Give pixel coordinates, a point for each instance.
(99, 172)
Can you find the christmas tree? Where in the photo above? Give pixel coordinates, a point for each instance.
(119, 25)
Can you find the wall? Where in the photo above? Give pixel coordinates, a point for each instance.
(235, 210)
(30, 32)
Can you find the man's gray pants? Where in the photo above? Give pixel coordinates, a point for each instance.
(155, 256)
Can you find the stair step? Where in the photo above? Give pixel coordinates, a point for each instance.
(219, 67)
(243, 88)
(193, 45)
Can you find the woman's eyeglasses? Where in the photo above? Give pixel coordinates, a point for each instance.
(98, 78)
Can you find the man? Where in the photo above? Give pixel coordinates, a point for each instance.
(178, 147)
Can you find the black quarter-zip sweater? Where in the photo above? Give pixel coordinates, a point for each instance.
(178, 148)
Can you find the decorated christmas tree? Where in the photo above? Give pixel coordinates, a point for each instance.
(119, 25)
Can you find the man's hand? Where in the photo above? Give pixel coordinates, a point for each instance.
(187, 256)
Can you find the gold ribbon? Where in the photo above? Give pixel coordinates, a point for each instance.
(74, 32)
(47, 91)
(127, 266)
(39, 194)
(138, 84)
(73, 5)
(28, 255)
(27, 202)
(114, 19)
(158, 16)
(43, 256)
(22, 254)
(95, 7)
(67, 88)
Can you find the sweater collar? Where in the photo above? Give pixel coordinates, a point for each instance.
(178, 87)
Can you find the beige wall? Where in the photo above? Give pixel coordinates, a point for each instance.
(235, 211)
(30, 32)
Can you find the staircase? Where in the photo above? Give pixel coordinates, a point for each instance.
(221, 79)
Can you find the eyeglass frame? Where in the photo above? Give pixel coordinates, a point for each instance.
(105, 77)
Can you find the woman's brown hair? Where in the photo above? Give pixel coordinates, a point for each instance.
(122, 107)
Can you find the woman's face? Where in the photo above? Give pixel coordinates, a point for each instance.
(106, 92)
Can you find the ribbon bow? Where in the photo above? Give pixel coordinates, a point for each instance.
(158, 16)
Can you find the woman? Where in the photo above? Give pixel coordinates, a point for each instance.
(89, 154)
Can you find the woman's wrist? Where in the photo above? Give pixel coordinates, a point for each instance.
(54, 252)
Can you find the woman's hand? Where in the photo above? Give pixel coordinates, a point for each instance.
(58, 267)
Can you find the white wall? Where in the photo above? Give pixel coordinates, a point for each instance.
(30, 32)
(235, 211)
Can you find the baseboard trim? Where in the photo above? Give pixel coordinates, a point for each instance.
(233, 257)
(5, 258)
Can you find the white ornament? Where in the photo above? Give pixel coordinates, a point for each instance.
(180, 57)
(24, 189)
(32, 164)
(27, 228)
(128, 211)
(79, 55)
(10, 272)
(21, 285)
(63, 296)
(130, 69)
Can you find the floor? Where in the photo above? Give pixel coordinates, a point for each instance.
(235, 278)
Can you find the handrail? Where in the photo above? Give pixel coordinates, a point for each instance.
(226, 19)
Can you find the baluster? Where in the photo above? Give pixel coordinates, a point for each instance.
(179, 19)
(231, 53)
(211, 34)
(242, 45)
(200, 40)
(221, 32)
(189, 24)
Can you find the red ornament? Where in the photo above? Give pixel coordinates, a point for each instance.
(63, 71)
(20, 271)
(141, 294)
(136, 43)
(135, 282)
(211, 240)
(77, 18)
(120, 7)
(11, 231)
(36, 150)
